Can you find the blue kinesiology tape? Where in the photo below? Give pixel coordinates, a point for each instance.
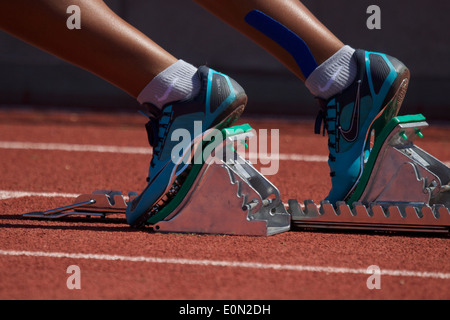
(285, 38)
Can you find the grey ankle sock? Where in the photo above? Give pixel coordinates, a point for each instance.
(334, 75)
(177, 82)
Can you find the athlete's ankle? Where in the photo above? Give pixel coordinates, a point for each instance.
(178, 82)
(334, 75)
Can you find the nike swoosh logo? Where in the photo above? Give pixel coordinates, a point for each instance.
(168, 91)
(331, 81)
(352, 133)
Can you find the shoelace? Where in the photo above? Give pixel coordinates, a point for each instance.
(153, 133)
(152, 127)
(323, 118)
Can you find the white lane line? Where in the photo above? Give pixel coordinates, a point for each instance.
(147, 151)
(7, 194)
(73, 147)
(288, 157)
(139, 150)
(229, 264)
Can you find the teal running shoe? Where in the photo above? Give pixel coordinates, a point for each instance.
(219, 104)
(358, 114)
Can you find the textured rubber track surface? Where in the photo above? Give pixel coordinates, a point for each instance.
(47, 158)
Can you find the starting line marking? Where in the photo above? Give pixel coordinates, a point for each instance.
(229, 264)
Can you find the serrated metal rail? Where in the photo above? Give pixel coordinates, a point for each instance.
(375, 217)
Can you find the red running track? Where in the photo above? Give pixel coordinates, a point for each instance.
(117, 262)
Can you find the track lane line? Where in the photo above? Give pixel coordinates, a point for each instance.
(135, 150)
(147, 151)
(227, 264)
(9, 194)
(72, 147)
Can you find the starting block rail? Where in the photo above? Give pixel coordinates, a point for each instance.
(376, 217)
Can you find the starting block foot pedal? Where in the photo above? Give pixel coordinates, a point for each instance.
(228, 196)
(223, 195)
(398, 172)
(402, 188)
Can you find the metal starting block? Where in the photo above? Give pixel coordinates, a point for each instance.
(227, 196)
(402, 188)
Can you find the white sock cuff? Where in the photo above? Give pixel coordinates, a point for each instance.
(178, 82)
(334, 75)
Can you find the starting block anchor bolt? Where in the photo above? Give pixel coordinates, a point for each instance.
(419, 133)
(250, 205)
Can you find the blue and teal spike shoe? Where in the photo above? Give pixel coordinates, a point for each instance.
(219, 104)
(361, 110)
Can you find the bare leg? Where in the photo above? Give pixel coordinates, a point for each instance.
(117, 52)
(106, 45)
(292, 14)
